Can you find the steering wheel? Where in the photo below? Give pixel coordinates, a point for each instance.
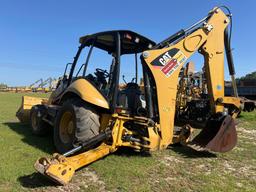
(103, 72)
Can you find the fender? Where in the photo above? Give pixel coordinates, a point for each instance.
(87, 92)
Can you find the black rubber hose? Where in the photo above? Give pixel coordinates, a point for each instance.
(170, 39)
(229, 55)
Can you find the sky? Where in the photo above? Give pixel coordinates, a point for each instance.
(38, 38)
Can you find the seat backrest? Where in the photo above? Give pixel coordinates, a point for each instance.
(129, 98)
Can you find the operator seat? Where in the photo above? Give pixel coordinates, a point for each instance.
(130, 99)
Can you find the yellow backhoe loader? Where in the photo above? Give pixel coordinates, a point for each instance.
(46, 85)
(92, 117)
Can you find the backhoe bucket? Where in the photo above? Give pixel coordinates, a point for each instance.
(218, 136)
(23, 113)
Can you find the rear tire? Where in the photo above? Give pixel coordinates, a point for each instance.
(38, 125)
(76, 122)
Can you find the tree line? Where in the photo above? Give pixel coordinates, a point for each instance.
(249, 76)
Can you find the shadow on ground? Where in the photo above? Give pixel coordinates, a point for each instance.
(44, 144)
(184, 151)
(188, 152)
(35, 180)
(129, 152)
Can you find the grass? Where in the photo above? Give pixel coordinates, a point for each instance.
(175, 169)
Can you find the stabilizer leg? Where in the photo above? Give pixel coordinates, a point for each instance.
(61, 169)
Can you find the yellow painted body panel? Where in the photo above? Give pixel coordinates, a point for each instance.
(213, 51)
(88, 93)
(166, 86)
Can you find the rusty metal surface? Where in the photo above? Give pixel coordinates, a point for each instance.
(226, 138)
(218, 136)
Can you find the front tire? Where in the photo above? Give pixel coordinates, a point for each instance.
(38, 125)
(76, 122)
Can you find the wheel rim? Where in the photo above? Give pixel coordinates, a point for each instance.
(66, 127)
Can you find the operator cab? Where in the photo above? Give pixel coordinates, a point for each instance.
(98, 61)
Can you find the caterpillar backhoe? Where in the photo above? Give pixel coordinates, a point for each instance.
(92, 116)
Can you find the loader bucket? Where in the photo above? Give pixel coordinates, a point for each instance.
(218, 136)
(23, 113)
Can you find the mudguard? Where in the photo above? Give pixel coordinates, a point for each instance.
(87, 92)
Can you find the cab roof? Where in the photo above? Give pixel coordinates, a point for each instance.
(131, 42)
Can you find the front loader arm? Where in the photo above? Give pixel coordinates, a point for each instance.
(165, 64)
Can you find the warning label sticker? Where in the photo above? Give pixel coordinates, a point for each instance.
(170, 67)
(169, 61)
